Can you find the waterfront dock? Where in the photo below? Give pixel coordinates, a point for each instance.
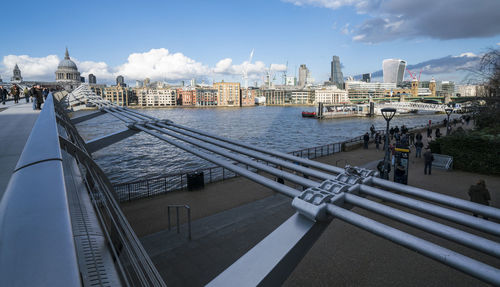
(230, 217)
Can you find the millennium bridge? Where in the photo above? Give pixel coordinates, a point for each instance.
(61, 223)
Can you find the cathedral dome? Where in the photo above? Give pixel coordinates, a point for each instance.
(67, 63)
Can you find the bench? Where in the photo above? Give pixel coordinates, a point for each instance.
(442, 161)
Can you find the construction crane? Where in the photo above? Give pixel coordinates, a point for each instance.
(245, 69)
(284, 74)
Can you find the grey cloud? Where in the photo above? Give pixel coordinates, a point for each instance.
(405, 19)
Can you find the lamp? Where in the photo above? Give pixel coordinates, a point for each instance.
(388, 114)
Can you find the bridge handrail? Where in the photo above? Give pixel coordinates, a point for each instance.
(36, 240)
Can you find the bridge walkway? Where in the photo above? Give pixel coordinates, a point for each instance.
(16, 122)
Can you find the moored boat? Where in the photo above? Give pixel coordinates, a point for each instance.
(308, 114)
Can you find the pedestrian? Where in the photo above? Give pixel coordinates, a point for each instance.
(378, 139)
(396, 130)
(419, 136)
(391, 132)
(428, 158)
(14, 91)
(39, 97)
(429, 132)
(372, 130)
(411, 136)
(45, 93)
(467, 120)
(478, 193)
(398, 138)
(438, 133)
(32, 93)
(26, 95)
(3, 95)
(418, 149)
(366, 139)
(399, 174)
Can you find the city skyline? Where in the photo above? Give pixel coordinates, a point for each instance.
(212, 41)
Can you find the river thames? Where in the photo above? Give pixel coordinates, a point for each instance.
(273, 127)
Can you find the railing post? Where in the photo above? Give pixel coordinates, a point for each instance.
(223, 174)
(168, 215)
(189, 221)
(147, 186)
(210, 171)
(128, 190)
(177, 214)
(165, 185)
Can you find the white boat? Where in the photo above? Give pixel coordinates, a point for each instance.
(260, 101)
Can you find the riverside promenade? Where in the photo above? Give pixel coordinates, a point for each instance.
(16, 123)
(230, 217)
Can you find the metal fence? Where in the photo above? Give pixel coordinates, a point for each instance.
(129, 191)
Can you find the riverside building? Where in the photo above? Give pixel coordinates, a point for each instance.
(160, 97)
(67, 75)
(229, 93)
(393, 70)
(331, 95)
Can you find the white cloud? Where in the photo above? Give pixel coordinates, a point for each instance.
(156, 64)
(32, 68)
(467, 54)
(161, 64)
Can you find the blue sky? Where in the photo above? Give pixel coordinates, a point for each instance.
(211, 40)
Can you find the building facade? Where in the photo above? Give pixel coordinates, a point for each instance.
(205, 97)
(331, 95)
(303, 74)
(228, 93)
(162, 97)
(115, 94)
(336, 76)
(186, 97)
(92, 79)
(248, 96)
(393, 70)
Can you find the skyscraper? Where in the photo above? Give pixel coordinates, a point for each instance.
(303, 74)
(336, 76)
(394, 70)
(120, 81)
(92, 79)
(367, 78)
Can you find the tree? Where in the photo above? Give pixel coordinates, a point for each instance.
(489, 69)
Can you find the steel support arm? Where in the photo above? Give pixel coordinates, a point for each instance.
(474, 222)
(437, 197)
(448, 257)
(107, 140)
(270, 262)
(479, 243)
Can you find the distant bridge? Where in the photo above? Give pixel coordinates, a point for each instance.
(411, 106)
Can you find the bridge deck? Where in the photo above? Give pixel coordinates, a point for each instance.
(16, 122)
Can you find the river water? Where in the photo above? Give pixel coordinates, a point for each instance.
(279, 128)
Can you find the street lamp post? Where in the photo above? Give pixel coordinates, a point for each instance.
(388, 114)
(448, 113)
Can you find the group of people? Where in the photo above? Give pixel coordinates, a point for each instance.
(36, 93)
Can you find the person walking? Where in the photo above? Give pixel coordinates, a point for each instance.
(14, 91)
(45, 93)
(438, 133)
(428, 158)
(39, 97)
(26, 94)
(418, 149)
(378, 139)
(32, 94)
(429, 132)
(372, 131)
(391, 132)
(478, 193)
(411, 137)
(3, 94)
(419, 137)
(366, 139)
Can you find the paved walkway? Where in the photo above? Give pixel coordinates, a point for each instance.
(343, 256)
(16, 122)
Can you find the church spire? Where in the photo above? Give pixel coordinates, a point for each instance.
(66, 55)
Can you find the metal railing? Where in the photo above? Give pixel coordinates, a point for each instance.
(36, 240)
(188, 212)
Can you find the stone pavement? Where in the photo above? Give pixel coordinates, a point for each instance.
(231, 222)
(16, 122)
